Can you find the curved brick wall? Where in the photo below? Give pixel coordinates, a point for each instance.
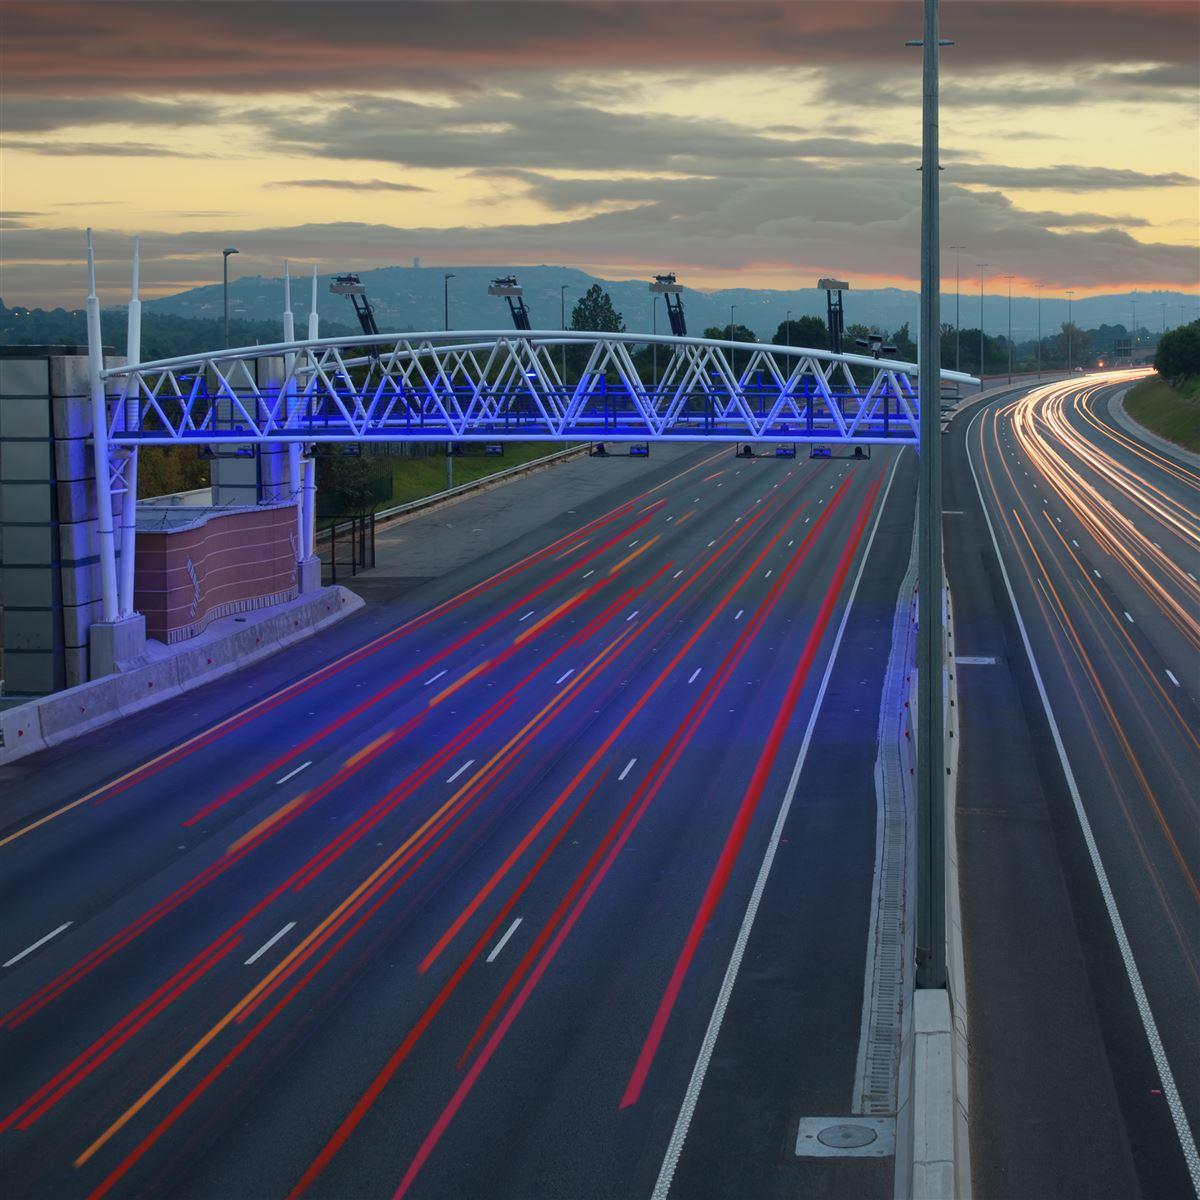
(222, 563)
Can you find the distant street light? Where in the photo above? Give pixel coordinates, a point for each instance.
(957, 309)
(787, 327)
(1010, 279)
(731, 308)
(225, 286)
(982, 267)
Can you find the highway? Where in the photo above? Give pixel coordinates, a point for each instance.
(547, 876)
(1073, 553)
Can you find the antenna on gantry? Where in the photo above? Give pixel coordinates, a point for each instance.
(671, 291)
(508, 287)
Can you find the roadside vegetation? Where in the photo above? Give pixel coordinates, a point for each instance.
(1169, 402)
(352, 485)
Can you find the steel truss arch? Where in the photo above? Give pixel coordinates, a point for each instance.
(495, 385)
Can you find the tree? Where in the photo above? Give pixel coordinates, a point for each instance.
(906, 348)
(732, 333)
(1074, 344)
(809, 332)
(594, 311)
(1178, 354)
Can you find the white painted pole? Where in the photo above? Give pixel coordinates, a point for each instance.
(104, 516)
(133, 349)
(295, 470)
(308, 514)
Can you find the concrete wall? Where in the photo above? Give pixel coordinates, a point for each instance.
(49, 586)
(221, 563)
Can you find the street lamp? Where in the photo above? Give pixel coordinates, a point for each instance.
(654, 330)
(225, 286)
(787, 327)
(1010, 279)
(957, 309)
(1070, 333)
(982, 267)
(562, 320)
(731, 308)
(446, 301)
(1039, 329)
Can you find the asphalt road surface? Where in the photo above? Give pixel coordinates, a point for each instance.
(448, 902)
(1079, 798)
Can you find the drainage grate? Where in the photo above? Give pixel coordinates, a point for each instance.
(879, 1048)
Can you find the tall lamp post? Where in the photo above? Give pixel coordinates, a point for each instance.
(562, 320)
(1010, 279)
(957, 309)
(1039, 329)
(732, 354)
(787, 327)
(982, 267)
(1070, 333)
(225, 286)
(931, 781)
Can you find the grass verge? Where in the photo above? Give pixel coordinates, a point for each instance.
(1172, 413)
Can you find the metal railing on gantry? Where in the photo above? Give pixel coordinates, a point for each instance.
(490, 385)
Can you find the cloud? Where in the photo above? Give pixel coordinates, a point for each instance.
(543, 127)
(24, 113)
(857, 218)
(1065, 177)
(98, 149)
(78, 49)
(350, 185)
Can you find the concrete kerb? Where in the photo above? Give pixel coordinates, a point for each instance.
(1164, 445)
(933, 1154)
(57, 718)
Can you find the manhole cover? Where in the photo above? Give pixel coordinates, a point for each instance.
(847, 1137)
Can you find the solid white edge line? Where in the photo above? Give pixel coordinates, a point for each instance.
(628, 768)
(460, 770)
(269, 943)
(293, 774)
(692, 1096)
(16, 958)
(503, 941)
(1166, 1078)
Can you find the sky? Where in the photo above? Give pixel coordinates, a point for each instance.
(740, 144)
